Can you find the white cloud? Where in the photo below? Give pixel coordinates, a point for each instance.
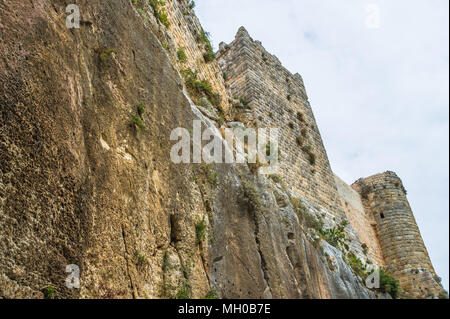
(380, 96)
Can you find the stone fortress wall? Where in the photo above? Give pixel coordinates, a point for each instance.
(362, 222)
(405, 255)
(278, 99)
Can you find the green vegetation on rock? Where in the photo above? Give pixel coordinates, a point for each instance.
(200, 231)
(181, 54)
(159, 11)
(251, 196)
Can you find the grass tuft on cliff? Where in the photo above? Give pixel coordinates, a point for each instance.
(49, 292)
(389, 284)
(140, 259)
(200, 231)
(200, 88)
(212, 294)
(357, 265)
(166, 266)
(181, 54)
(251, 196)
(276, 178)
(311, 156)
(183, 291)
(159, 11)
(334, 237)
(204, 38)
(138, 119)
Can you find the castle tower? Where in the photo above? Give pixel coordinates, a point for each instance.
(278, 99)
(402, 245)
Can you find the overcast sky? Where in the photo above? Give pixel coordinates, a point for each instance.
(379, 91)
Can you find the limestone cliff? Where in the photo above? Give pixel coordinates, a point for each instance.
(86, 176)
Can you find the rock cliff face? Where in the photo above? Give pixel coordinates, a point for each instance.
(86, 177)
